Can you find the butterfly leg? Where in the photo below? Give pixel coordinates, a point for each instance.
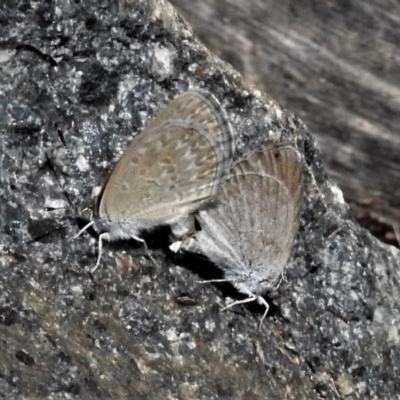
(263, 302)
(101, 237)
(252, 297)
(85, 228)
(106, 236)
(214, 281)
(145, 246)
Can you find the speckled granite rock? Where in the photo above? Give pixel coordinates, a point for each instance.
(94, 73)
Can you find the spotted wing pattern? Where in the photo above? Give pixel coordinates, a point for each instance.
(173, 167)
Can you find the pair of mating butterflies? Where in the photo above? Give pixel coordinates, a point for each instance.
(180, 168)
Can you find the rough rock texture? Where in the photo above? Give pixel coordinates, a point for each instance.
(92, 74)
(334, 64)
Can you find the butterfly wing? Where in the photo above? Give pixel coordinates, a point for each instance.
(173, 167)
(250, 233)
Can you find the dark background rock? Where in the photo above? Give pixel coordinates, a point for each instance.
(334, 64)
(93, 74)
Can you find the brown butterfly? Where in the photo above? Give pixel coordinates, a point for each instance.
(169, 171)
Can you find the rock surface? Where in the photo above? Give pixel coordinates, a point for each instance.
(93, 74)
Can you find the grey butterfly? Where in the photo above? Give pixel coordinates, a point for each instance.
(249, 234)
(170, 170)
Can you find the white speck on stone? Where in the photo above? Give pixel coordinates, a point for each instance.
(193, 67)
(278, 112)
(378, 315)
(210, 325)
(162, 62)
(171, 335)
(393, 335)
(195, 326)
(105, 164)
(387, 322)
(96, 191)
(6, 55)
(105, 116)
(125, 88)
(77, 289)
(82, 164)
(34, 284)
(338, 194)
(191, 344)
(55, 204)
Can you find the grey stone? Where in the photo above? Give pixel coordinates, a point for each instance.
(85, 71)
